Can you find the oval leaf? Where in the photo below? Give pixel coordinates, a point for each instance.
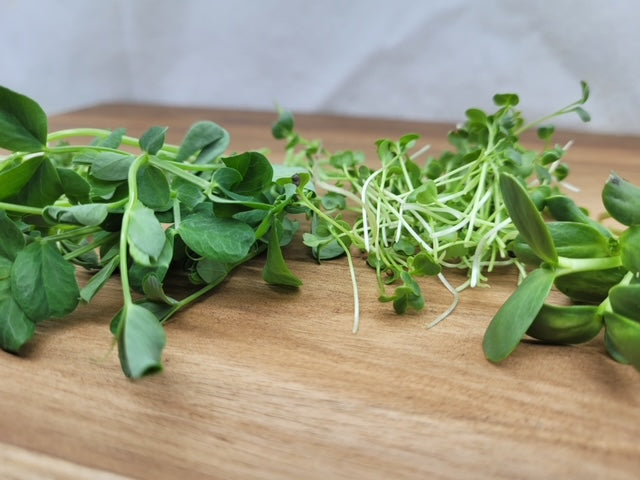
(145, 235)
(516, 315)
(23, 123)
(527, 219)
(141, 340)
(224, 240)
(208, 138)
(153, 139)
(43, 283)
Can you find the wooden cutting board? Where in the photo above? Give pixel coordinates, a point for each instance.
(262, 383)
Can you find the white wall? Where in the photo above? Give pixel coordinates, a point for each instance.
(418, 59)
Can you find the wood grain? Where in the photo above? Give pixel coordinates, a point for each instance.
(262, 383)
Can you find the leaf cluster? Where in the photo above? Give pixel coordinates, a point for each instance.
(182, 211)
(414, 218)
(597, 269)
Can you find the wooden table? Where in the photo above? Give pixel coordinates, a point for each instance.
(264, 383)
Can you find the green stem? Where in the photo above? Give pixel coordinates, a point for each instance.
(573, 265)
(124, 233)
(74, 233)
(12, 207)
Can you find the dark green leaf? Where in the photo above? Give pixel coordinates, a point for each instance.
(13, 179)
(187, 193)
(255, 169)
(527, 219)
(591, 286)
(515, 317)
(43, 188)
(566, 324)
(23, 123)
(276, 271)
(583, 114)
(284, 126)
(565, 209)
(153, 139)
(224, 240)
(145, 235)
(74, 187)
(625, 300)
(630, 248)
(624, 335)
(545, 133)
(141, 340)
(153, 188)
(622, 200)
(15, 327)
(43, 283)
(208, 138)
(11, 238)
(99, 280)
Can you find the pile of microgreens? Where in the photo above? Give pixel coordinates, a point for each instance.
(415, 220)
(147, 212)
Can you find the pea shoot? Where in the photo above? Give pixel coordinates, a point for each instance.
(185, 210)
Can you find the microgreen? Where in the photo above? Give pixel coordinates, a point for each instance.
(449, 208)
(594, 267)
(185, 209)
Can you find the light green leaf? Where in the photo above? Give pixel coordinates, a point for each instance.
(12, 179)
(145, 235)
(141, 340)
(90, 214)
(208, 138)
(111, 166)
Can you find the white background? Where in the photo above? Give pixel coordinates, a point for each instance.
(416, 59)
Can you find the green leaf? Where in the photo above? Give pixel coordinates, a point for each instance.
(15, 327)
(23, 123)
(208, 138)
(99, 280)
(565, 209)
(74, 187)
(90, 214)
(158, 268)
(11, 238)
(153, 188)
(145, 235)
(224, 240)
(43, 283)
(284, 126)
(527, 219)
(517, 314)
(141, 340)
(506, 99)
(154, 291)
(625, 300)
(624, 335)
(255, 170)
(566, 324)
(111, 166)
(276, 271)
(622, 200)
(187, 193)
(13, 179)
(212, 272)
(630, 249)
(153, 139)
(43, 188)
(591, 286)
(424, 264)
